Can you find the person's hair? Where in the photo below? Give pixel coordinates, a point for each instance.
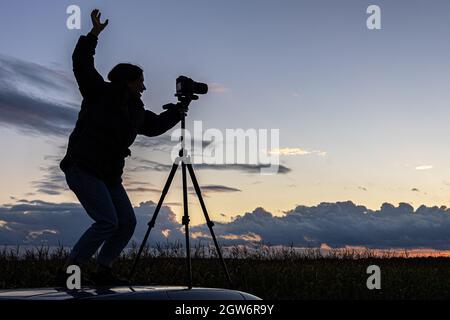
(124, 72)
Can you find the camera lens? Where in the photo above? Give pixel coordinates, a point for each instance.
(200, 88)
(187, 87)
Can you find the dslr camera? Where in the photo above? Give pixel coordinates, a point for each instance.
(188, 88)
(186, 91)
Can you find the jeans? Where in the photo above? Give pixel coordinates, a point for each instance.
(112, 212)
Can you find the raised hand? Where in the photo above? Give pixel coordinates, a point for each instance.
(97, 26)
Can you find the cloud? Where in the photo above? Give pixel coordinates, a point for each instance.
(164, 143)
(342, 224)
(250, 236)
(158, 143)
(296, 152)
(27, 98)
(424, 167)
(217, 88)
(39, 222)
(150, 165)
(215, 188)
(144, 189)
(34, 115)
(338, 225)
(53, 181)
(129, 183)
(248, 168)
(34, 77)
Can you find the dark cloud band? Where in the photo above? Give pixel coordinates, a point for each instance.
(335, 224)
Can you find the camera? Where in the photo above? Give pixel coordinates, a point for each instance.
(186, 87)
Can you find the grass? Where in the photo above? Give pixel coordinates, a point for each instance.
(267, 272)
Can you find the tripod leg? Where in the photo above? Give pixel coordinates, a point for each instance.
(186, 223)
(151, 224)
(208, 221)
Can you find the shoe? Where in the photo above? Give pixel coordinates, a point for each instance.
(104, 277)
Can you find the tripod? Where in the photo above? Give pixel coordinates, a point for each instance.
(185, 163)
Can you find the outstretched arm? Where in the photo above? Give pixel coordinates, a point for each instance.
(154, 124)
(88, 78)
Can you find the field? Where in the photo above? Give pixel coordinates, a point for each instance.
(266, 272)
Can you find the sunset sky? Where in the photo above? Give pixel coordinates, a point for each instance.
(365, 113)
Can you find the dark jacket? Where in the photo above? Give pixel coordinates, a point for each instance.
(109, 119)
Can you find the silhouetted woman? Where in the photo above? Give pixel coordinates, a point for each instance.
(111, 116)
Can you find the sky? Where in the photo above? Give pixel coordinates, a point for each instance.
(364, 114)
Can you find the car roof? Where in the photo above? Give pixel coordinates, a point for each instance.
(126, 293)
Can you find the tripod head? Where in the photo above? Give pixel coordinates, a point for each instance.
(183, 103)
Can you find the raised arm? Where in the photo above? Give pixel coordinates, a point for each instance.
(88, 78)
